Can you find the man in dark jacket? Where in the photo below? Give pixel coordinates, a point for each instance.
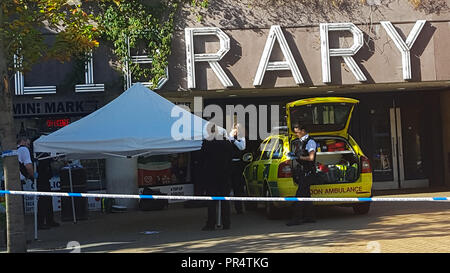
(216, 159)
(45, 203)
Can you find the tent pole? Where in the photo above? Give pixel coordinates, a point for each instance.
(71, 190)
(35, 198)
(219, 214)
(47, 157)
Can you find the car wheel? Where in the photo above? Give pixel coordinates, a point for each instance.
(272, 212)
(250, 205)
(361, 208)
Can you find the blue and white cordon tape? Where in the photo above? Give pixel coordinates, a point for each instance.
(225, 198)
(9, 153)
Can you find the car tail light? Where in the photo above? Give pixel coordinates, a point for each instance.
(365, 165)
(284, 169)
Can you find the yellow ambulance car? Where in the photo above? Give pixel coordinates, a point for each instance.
(342, 168)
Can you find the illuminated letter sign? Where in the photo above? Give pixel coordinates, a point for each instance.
(21, 89)
(141, 59)
(89, 85)
(212, 58)
(264, 65)
(345, 53)
(404, 46)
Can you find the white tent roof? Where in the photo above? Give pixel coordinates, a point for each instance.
(138, 122)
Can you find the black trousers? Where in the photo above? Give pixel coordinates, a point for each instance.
(304, 210)
(218, 187)
(238, 183)
(22, 183)
(225, 213)
(45, 204)
(45, 210)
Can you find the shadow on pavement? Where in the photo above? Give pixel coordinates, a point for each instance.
(177, 229)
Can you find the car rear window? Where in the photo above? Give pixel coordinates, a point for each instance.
(321, 117)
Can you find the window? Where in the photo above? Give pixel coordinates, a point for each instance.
(261, 148)
(278, 152)
(322, 117)
(271, 144)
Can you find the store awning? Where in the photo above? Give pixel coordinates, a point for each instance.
(137, 122)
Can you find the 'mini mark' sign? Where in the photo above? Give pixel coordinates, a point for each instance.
(54, 108)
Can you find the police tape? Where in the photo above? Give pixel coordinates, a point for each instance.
(227, 198)
(9, 153)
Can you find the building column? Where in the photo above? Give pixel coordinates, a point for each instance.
(121, 178)
(445, 110)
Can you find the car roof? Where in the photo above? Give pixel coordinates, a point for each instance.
(322, 100)
(282, 136)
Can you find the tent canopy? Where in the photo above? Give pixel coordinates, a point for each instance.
(137, 122)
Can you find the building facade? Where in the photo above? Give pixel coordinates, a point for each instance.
(390, 55)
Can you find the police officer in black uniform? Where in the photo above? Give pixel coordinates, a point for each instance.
(216, 154)
(45, 203)
(237, 138)
(304, 174)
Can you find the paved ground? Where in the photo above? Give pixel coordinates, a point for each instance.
(389, 227)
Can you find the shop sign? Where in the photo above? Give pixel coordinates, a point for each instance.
(174, 190)
(276, 34)
(54, 107)
(87, 86)
(57, 123)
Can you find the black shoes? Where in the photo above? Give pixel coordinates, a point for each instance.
(293, 223)
(48, 226)
(54, 224)
(208, 228)
(43, 226)
(299, 222)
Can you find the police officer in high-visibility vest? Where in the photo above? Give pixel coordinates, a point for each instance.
(304, 174)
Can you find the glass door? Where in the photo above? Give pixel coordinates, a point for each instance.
(397, 139)
(384, 152)
(410, 134)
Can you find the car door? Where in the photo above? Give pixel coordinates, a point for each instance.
(251, 172)
(265, 163)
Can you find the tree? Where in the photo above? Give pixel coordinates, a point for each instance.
(22, 23)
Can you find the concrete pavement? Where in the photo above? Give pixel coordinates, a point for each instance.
(400, 227)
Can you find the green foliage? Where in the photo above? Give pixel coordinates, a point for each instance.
(23, 21)
(200, 3)
(147, 27)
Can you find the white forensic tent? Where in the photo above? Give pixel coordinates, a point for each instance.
(137, 122)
